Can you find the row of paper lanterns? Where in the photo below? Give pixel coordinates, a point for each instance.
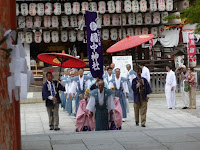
(134, 6)
(106, 20)
(73, 35)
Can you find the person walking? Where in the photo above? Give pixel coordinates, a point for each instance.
(145, 72)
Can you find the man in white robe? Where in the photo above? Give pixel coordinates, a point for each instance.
(145, 72)
(170, 88)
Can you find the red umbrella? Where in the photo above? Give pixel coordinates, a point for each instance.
(130, 42)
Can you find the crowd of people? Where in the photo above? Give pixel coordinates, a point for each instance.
(103, 103)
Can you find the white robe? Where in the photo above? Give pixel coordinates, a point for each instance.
(91, 103)
(170, 95)
(145, 73)
(130, 77)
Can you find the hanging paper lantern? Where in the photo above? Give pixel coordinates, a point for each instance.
(72, 36)
(111, 6)
(145, 30)
(46, 36)
(135, 6)
(48, 9)
(102, 7)
(21, 22)
(139, 19)
(99, 21)
(161, 30)
(40, 9)
(163, 15)
(106, 19)
(122, 33)
(154, 31)
(93, 6)
(84, 7)
(156, 17)
(81, 20)
(76, 8)
(169, 5)
(105, 34)
(55, 22)
(138, 31)
(24, 9)
(54, 36)
(65, 21)
(29, 37)
(64, 36)
(115, 19)
(118, 8)
(29, 22)
(47, 21)
(161, 5)
(21, 35)
(17, 9)
(73, 21)
(68, 8)
(131, 19)
(130, 32)
(147, 18)
(113, 34)
(153, 5)
(57, 8)
(143, 5)
(175, 21)
(38, 37)
(127, 6)
(80, 35)
(123, 19)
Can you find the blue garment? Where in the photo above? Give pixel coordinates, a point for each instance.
(146, 89)
(113, 71)
(68, 104)
(90, 76)
(62, 97)
(46, 92)
(106, 77)
(101, 114)
(119, 93)
(130, 96)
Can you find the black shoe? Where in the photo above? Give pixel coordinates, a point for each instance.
(170, 108)
(56, 129)
(51, 128)
(137, 124)
(143, 125)
(184, 108)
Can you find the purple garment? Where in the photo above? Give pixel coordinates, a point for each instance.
(147, 89)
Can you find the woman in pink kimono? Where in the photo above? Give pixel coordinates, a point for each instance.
(84, 121)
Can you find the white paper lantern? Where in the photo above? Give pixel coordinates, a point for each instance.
(17, 9)
(105, 34)
(64, 36)
(145, 30)
(147, 18)
(24, 9)
(153, 5)
(81, 20)
(118, 8)
(55, 22)
(40, 9)
(135, 6)
(102, 7)
(163, 15)
(73, 21)
(47, 21)
(115, 20)
(130, 31)
(38, 37)
(138, 31)
(156, 17)
(68, 8)
(76, 8)
(84, 7)
(93, 6)
(106, 19)
(154, 31)
(21, 22)
(99, 21)
(169, 5)
(161, 30)
(65, 21)
(29, 37)
(55, 36)
(46, 36)
(48, 9)
(139, 19)
(29, 22)
(80, 35)
(123, 19)
(21, 35)
(72, 36)
(131, 19)
(143, 5)
(113, 34)
(111, 6)
(122, 33)
(57, 8)
(161, 5)
(127, 6)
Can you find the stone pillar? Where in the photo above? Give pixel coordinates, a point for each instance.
(10, 134)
